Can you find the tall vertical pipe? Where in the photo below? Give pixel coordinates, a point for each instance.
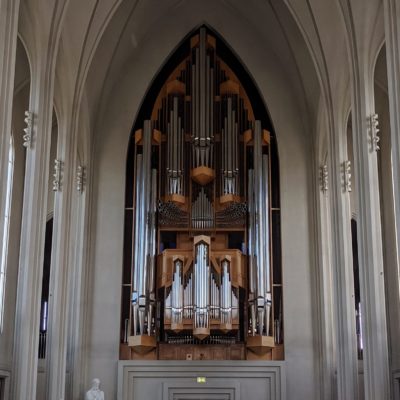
(261, 242)
(202, 86)
(141, 269)
(197, 116)
(177, 296)
(202, 288)
(193, 102)
(226, 308)
(191, 296)
(152, 248)
(207, 107)
(175, 152)
(229, 135)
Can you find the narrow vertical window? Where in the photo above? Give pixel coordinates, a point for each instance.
(6, 230)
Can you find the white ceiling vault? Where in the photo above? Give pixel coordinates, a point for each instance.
(96, 40)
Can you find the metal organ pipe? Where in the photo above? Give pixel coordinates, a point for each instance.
(203, 72)
(259, 243)
(175, 150)
(152, 249)
(177, 295)
(201, 286)
(226, 293)
(230, 156)
(138, 238)
(202, 104)
(185, 300)
(143, 268)
(190, 297)
(235, 306)
(168, 304)
(215, 303)
(202, 212)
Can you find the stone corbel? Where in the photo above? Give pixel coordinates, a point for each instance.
(80, 178)
(323, 174)
(374, 130)
(27, 137)
(57, 175)
(347, 176)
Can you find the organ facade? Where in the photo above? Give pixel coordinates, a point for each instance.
(202, 274)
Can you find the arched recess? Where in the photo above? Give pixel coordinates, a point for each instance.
(353, 213)
(45, 288)
(44, 303)
(202, 168)
(45, 306)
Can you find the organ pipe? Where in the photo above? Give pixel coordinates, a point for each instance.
(230, 156)
(202, 212)
(259, 268)
(143, 271)
(226, 294)
(251, 253)
(202, 105)
(201, 289)
(175, 151)
(177, 296)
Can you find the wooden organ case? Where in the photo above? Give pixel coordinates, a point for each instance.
(201, 282)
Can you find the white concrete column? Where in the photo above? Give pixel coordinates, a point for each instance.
(78, 316)
(35, 201)
(392, 36)
(9, 11)
(325, 284)
(32, 240)
(342, 269)
(61, 267)
(372, 291)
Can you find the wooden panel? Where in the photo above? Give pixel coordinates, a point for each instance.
(237, 353)
(229, 87)
(176, 87)
(165, 265)
(219, 353)
(201, 352)
(124, 352)
(238, 265)
(219, 242)
(202, 175)
(142, 344)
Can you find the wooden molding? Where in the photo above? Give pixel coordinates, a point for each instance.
(142, 343)
(203, 175)
(176, 87)
(260, 344)
(229, 87)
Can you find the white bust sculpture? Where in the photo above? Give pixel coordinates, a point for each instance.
(94, 393)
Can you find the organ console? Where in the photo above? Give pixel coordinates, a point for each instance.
(201, 270)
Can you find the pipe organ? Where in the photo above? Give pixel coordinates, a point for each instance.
(201, 264)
